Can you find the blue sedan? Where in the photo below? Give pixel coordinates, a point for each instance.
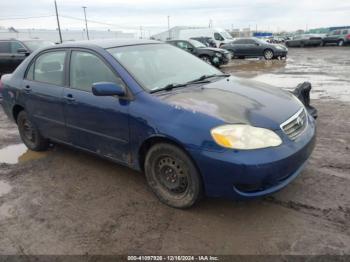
(190, 128)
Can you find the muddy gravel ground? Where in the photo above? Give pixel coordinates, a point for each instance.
(64, 201)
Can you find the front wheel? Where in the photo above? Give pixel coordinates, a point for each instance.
(341, 43)
(268, 54)
(30, 134)
(172, 176)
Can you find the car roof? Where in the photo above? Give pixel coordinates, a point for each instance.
(107, 43)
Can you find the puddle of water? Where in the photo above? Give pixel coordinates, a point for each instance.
(5, 188)
(18, 153)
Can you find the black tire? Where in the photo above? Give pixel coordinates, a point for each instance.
(29, 133)
(268, 54)
(172, 176)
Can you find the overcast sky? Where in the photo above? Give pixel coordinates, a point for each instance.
(152, 14)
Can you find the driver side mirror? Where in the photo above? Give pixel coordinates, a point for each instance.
(22, 51)
(107, 89)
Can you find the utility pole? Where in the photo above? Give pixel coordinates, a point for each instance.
(87, 30)
(58, 23)
(140, 32)
(169, 27)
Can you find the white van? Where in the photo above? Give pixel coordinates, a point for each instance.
(221, 36)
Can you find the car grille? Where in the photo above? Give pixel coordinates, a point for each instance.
(295, 125)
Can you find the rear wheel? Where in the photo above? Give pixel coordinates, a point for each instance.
(29, 133)
(268, 54)
(172, 176)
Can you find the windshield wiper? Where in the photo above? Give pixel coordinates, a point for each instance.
(198, 80)
(203, 77)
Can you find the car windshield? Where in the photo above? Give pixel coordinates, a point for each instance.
(36, 44)
(226, 35)
(196, 43)
(155, 66)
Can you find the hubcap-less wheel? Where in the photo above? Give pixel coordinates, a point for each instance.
(172, 176)
(206, 59)
(30, 135)
(268, 54)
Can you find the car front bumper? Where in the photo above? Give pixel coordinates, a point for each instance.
(281, 53)
(244, 174)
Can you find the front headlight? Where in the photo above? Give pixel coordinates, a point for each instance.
(218, 54)
(279, 47)
(244, 137)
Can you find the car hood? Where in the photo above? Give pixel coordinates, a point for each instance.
(235, 100)
(220, 50)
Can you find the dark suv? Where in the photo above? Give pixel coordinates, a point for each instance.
(339, 37)
(13, 52)
(211, 55)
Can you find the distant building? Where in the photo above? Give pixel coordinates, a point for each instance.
(67, 35)
(172, 33)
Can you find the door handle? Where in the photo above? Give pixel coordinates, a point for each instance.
(69, 97)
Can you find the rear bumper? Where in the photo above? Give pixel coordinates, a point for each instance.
(239, 174)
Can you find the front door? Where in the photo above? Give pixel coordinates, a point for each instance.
(95, 123)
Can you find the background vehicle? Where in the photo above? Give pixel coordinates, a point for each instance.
(340, 37)
(254, 47)
(214, 56)
(208, 41)
(304, 40)
(156, 108)
(221, 36)
(13, 52)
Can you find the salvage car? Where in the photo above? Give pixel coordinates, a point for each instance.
(153, 107)
(254, 47)
(207, 41)
(304, 40)
(339, 37)
(13, 52)
(210, 55)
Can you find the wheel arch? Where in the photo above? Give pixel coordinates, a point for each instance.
(153, 140)
(16, 110)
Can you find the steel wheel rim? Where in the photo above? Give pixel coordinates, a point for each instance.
(28, 131)
(171, 175)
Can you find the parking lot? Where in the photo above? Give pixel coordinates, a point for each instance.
(64, 201)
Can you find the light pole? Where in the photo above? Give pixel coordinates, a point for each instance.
(169, 27)
(58, 23)
(87, 30)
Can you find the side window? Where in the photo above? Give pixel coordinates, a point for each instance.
(49, 68)
(183, 45)
(5, 47)
(336, 32)
(239, 42)
(345, 32)
(250, 42)
(15, 46)
(218, 37)
(87, 68)
(30, 72)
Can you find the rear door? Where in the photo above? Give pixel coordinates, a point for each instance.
(42, 90)
(99, 124)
